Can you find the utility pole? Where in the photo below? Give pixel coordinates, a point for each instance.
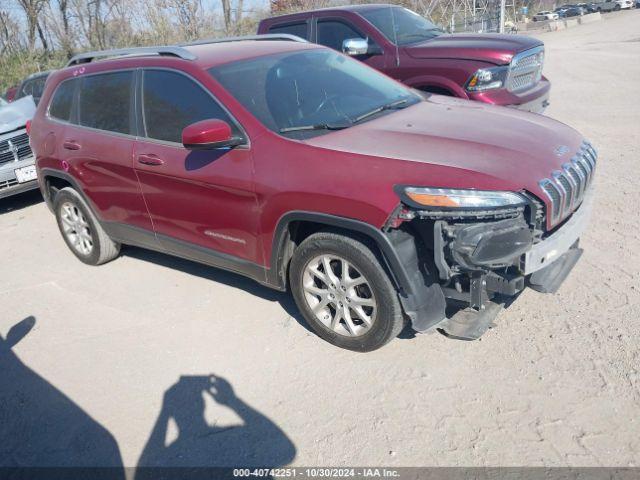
(503, 4)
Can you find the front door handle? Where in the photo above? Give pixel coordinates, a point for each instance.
(150, 159)
(71, 145)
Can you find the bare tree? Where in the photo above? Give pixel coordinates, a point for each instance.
(32, 10)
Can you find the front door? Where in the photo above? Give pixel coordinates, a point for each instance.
(332, 32)
(202, 203)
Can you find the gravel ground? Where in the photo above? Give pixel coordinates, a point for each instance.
(556, 383)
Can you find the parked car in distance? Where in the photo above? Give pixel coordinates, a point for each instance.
(10, 93)
(588, 7)
(303, 169)
(491, 68)
(32, 85)
(17, 169)
(614, 5)
(567, 11)
(545, 15)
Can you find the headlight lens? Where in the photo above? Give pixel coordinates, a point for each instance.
(452, 198)
(488, 79)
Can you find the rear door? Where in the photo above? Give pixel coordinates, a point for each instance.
(97, 147)
(197, 199)
(299, 28)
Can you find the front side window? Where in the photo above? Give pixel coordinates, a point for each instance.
(401, 26)
(172, 101)
(309, 92)
(297, 29)
(332, 33)
(62, 100)
(105, 101)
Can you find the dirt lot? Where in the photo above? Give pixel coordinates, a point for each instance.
(557, 382)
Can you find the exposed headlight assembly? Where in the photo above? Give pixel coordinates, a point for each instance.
(488, 79)
(453, 199)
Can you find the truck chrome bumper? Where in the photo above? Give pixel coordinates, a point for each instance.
(551, 249)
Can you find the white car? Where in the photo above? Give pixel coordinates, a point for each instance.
(542, 16)
(611, 5)
(17, 169)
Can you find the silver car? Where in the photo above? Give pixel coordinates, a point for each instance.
(17, 167)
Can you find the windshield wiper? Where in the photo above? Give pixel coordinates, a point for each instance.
(318, 126)
(388, 106)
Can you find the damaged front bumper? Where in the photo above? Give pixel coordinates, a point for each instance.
(467, 270)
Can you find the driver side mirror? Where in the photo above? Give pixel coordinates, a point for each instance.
(209, 135)
(359, 46)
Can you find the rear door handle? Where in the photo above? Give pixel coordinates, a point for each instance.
(150, 159)
(71, 145)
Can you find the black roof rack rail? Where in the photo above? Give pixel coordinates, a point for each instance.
(173, 51)
(266, 36)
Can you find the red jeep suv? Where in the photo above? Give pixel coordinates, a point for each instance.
(301, 168)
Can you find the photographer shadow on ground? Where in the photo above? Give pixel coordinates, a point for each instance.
(200, 442)
(41, 427)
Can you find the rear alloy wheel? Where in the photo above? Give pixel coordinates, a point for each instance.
(76, 229)
(81, 231)
(344, 293)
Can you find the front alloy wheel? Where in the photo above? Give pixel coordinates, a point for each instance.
(339, 295)
(344, 292)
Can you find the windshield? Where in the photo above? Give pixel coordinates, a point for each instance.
(409, 26)
(311, 92)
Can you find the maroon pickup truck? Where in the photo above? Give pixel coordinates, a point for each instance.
(497, 69)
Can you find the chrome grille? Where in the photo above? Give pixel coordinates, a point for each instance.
(567, 187)
(525, 69)
(14, 148)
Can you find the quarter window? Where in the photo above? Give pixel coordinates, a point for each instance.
(62, 101)
(297, 29)
(172, 101)
(105, 101)
(332, 33)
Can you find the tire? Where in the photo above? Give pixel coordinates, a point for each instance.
(74, 215)
(374, 296)
(535, 19)
(616, 8)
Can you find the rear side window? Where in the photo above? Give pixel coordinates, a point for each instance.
(33, 87)
(297, 29)
(172, 101)
(332, 33)
(62, 101)
(105, 102)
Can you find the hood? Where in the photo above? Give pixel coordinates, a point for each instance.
(462, 144)
(493, 48)
(15, 115)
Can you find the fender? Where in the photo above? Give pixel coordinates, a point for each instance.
(280, 254)
(51, 172)
(437, 81)
(419, 293)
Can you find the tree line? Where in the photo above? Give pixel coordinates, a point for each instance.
(37, 35)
